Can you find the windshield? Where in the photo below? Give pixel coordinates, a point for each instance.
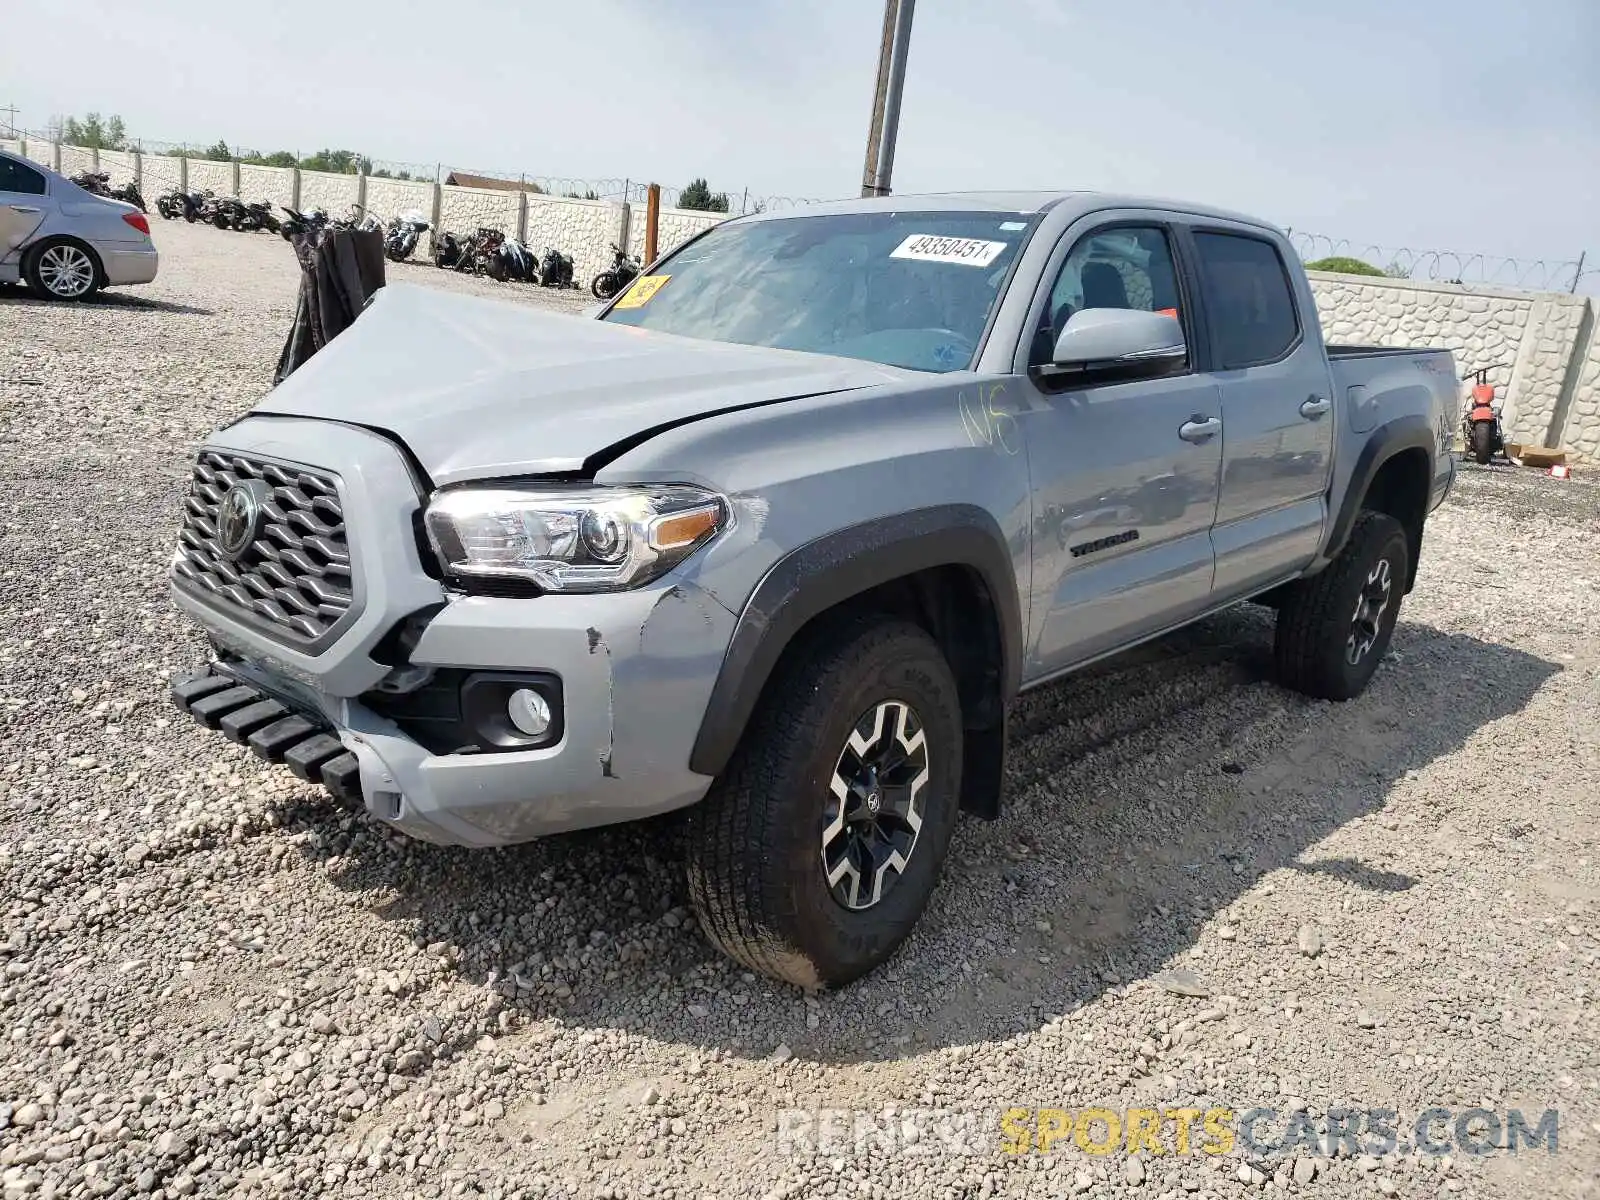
(911, 289)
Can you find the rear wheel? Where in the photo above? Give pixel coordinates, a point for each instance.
(61, 270)
(815, 852)
(1482, 441)
(1334, 628)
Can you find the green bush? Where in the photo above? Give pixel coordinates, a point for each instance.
(1344, 265)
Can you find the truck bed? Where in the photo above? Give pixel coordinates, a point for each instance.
(1374, 381)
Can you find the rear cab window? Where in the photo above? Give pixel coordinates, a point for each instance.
(1249, 299)
(20, 179)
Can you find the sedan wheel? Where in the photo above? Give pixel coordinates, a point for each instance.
(62, 271)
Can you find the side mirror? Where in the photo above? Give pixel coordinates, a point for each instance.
(1125, 339)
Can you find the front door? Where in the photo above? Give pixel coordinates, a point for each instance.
(1124, 474)
(22, 204)
(1276, 410)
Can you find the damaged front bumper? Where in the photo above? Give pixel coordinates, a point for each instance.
(632, 675)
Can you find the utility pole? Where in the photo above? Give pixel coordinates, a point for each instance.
(892, 52)
(10, 111)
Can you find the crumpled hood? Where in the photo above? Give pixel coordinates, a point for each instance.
(483, 388)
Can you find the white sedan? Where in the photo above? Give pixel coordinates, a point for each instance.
(66, 243)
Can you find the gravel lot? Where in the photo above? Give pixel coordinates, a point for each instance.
(213, 982)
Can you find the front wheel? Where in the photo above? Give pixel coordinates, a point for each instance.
(1482, 441)
(1334, 628)
(815, 852)
(604, 286)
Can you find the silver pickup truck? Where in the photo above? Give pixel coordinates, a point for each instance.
(783, 530)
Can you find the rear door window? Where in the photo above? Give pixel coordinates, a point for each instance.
(1249, 299)
(14, 177)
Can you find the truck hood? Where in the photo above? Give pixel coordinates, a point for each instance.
(486, 388)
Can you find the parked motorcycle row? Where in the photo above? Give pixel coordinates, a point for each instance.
(225, 212)
(99, 183)
(487, 252)
(490, 252)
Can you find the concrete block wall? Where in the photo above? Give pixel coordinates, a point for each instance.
(275, 185)
(1581, 425)
(205, 175)
(120, 165)
(40, 152)
(328, 191)
(674, 227)
(462, 210)
(11, 145)
(158, 175)
(75, 159)
(584, 229)
(1535, 335)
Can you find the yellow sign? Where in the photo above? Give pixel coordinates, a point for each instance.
(644, 287)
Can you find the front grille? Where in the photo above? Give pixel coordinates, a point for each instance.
(294, 578)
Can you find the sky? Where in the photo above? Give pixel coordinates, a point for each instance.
(1469, 125)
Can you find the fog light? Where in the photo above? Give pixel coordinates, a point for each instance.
(529, 711)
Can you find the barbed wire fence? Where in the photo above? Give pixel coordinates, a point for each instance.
(1448, 266)
(1464, 268)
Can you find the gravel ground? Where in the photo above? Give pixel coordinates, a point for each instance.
(1206, 891)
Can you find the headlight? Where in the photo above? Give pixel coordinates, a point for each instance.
(579, 539)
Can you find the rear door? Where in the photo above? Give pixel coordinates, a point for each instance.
(1124, 473)
(1277, 410)
(23, 200)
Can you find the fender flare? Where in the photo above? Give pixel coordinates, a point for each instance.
(830, 570)
(1410, 432)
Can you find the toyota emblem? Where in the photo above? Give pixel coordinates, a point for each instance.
(239, 517)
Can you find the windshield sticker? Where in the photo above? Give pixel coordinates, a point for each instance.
(1012, 226)
(642, 290)
(967, 252)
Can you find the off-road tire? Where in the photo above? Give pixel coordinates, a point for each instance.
(1315, 616)
(1482, 442)
(754, 843)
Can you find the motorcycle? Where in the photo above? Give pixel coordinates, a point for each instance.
(447, 251)
(172, 205)
(486, 258)
(251, 217)
(1481, 429)
(555, 270)
(312, 221)
(99, 183)
(623, 271)
(520, 263)
(402, 236)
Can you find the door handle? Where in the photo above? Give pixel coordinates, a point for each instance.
(22, 208)
(1314, 407)
(1200, 429)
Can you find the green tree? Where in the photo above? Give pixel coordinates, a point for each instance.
(219, 152)
(340, 162)
(1344, 265)
(93, 133)
(699, 195)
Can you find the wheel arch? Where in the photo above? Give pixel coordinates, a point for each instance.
(1394, 475)
(947, 569)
